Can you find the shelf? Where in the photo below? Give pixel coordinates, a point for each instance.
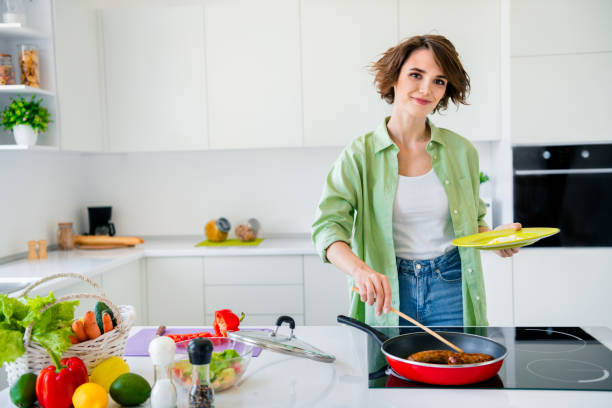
(17, 30)
(23, 89)
(33, 148)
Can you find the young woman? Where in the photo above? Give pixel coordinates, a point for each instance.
(396, 198)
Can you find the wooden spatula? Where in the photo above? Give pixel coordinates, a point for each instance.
(427, 329)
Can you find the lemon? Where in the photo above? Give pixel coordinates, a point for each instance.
(108, 370)
(90, 395)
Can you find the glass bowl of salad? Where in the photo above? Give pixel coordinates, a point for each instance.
(229, 361)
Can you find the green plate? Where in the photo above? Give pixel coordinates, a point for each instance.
(504, 239)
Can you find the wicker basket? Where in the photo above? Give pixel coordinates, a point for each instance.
(91, 352)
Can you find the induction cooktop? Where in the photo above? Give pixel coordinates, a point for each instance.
(542, 358)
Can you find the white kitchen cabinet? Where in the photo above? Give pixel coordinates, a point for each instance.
(255, 270)
(498, 288)
(125, 285)
(546, 27)
(253, 68)
(255, 300)
(551, 104)
(264, 287)
(474, 28)
(339, 41)
(258, 320)
(79, 79)
(326, 292)
(175, 291)
(155, 77)
(563, 287)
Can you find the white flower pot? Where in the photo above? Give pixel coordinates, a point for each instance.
(25, 135)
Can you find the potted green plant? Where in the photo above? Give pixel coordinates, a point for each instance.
(26, 118)
(483, 177)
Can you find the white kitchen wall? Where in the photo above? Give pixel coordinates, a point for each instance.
(177, 193)
(38, 190)
(165, 193)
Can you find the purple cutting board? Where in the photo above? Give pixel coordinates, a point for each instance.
(138, 344)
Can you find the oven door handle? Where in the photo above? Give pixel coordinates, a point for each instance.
(560, 171)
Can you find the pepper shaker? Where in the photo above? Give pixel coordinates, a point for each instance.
(32, 254)
(42, 249)
(201, 394)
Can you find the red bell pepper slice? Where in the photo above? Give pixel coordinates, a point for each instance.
(54, 388)
(183, 337)
(226, 321)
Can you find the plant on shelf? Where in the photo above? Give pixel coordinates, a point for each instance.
(483, 177)
(25, 118)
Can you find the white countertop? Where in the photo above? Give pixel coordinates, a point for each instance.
(94, 262)
(277, 380)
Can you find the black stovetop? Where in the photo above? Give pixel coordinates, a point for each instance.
(555, 358)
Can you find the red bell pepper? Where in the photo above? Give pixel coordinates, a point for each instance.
(54, 388)
(182, 337)
(226, 321)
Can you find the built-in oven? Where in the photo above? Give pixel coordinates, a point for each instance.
(568, 187)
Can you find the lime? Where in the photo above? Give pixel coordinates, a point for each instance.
(23, 392)
(130, 389)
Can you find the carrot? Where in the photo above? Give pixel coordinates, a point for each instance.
(90, 325)
(73, 339)
(107, 321)
(79, 330)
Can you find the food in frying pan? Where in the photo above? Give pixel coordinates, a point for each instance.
(448, 357)
(469, 358)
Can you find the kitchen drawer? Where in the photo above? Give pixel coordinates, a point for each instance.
(279, 299)
(562, 287)
(261, 320)
(174, 291)
(243, 270)
(125, 286)
(323, 303)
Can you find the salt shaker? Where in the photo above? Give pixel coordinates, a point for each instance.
(201, 394)
(163, 394)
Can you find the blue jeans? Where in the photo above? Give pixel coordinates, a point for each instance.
(430, 290)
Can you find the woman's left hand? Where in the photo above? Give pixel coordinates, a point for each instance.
(506, 253)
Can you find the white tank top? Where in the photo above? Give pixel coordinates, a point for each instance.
(422, 227)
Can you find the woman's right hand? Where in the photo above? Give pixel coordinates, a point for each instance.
(373, 287)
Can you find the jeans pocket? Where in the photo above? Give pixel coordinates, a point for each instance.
(451, 275)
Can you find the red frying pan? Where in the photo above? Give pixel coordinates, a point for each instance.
(398, 348)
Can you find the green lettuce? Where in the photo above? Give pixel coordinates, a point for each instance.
(11, 342)
(51, 328)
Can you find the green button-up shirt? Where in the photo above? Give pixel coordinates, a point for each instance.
(357, 207)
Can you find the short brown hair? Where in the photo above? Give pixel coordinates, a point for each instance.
(387, 69)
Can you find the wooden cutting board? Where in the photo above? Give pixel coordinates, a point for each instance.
(103, 246)
(98, 240)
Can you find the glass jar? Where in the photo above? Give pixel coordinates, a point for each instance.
(7, 75)
(28, 62)
(13, 11)
(65, 237)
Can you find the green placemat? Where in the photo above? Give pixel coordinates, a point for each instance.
(229, 242)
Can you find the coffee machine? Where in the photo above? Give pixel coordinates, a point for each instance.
(99, 221)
